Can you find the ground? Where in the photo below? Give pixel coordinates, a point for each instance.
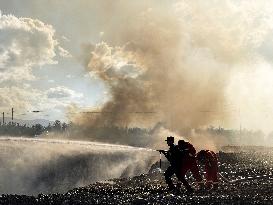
(151, 189)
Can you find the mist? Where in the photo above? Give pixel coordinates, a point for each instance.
(32, 166)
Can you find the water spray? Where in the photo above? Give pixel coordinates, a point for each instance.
(34, 165)
(75, 142)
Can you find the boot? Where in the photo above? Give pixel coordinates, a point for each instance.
(189, 190)
(202, 187)
(171, 187)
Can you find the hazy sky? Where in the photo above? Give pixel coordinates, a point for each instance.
(42, 47)
(52, 83)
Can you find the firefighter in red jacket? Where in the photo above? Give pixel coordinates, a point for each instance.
(209, 158)
(188, 163)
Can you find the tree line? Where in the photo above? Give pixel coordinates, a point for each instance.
(127, 134)
(16, 129)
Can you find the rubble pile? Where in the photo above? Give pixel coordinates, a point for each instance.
(151, 189)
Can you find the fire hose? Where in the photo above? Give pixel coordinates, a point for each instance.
(160, 160)
(270, 176)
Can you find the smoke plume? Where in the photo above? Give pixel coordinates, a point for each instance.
(170, 64)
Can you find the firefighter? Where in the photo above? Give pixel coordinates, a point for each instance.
(209, 158)
(188, 163)
(172, 156)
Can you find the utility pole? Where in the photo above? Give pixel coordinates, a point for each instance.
(3, 118)
(12, 111)
(240, 119)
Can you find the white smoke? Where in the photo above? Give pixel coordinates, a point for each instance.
(177, 60)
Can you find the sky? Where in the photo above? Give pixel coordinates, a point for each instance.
(40, 45)
(43, 47)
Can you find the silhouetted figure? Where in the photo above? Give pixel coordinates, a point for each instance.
(188, 163)
(172, 156)
(209, 158)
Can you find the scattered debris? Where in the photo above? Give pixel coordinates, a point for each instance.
(151, 189)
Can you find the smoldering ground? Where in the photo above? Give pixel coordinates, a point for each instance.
(32, 166)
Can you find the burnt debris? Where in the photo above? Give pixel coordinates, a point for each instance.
(151, 189)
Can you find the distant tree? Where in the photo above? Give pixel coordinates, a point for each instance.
(64, 126)
(38, 129)
(57, 126)
(49, 127)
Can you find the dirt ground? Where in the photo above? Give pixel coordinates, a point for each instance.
(151, 189)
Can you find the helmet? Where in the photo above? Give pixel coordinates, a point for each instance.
(181, 142)
(170, 139)
(201, 155)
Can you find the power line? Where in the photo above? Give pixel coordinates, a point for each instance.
(105, 112)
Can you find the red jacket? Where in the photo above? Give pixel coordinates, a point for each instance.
(187, 148)
(210, 159)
